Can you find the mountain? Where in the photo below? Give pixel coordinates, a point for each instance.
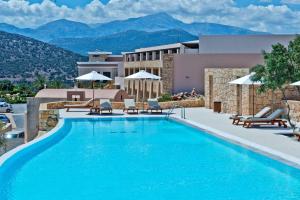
(62, 29)
(157, 22)
(123, 42)
(22, 57)
(164, 21)
(150, 23)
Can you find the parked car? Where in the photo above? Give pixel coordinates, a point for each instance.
(5, 107)
(2, 100)
(4, 119)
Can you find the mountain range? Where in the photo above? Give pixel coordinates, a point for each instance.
(123, 42)
(21, 58)
(65, 33)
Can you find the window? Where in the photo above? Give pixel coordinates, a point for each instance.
(107, 74)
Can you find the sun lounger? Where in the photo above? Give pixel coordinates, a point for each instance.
(153, 105)
(130, 106)
(79, 106)
(271, 119)
(261, 114)
(105, 105)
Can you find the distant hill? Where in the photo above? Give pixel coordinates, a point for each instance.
(124, 42)
(22, 57)
(158, 22)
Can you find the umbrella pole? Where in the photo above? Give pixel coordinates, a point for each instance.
(253, 100)
(143, 95)
(93, 94)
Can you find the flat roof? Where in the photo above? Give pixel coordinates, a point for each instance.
(99, 63)
(237, 44)
(164, 47)
(99, 53)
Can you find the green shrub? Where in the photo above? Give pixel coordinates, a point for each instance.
(165, 97)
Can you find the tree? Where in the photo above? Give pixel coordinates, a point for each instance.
(39, 82)
(56, 84)
(281, 68)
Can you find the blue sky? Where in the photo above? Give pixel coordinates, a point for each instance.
(275, 16)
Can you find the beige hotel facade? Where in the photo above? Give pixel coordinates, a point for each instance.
(181, 66)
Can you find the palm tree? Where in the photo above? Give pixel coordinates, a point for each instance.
(39, 82)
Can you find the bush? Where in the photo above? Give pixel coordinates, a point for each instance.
(165, 97)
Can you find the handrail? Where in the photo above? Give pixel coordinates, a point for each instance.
(175, 105)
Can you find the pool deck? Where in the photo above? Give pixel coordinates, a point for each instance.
(270, 138)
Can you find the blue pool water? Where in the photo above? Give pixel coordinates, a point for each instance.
(127, 159)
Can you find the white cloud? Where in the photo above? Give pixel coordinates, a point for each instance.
(271, 18)
(290, 1)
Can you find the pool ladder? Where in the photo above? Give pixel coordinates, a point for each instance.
(175, 105)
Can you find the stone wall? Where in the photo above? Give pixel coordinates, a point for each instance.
(32, 116)
(239, 99)
(221, 90)
(295, 110)
(48, 119)
(120, 105)
(167, 73)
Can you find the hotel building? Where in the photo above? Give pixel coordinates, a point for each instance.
(181, 66)
(104, 63)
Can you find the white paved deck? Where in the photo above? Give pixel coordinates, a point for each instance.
(273, 137)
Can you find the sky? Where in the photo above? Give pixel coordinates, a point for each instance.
(275, 16)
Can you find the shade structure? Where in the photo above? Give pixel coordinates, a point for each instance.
(93, 76)
(296, 83)
(143, 75)
(246, 80)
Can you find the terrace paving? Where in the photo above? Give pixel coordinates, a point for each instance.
(271, 137)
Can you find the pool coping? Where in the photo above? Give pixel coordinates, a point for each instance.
(14, 151)
(263, 150)
(266, 151)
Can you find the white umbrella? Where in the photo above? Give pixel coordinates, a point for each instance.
(93, 76)
(143, 75)
(296, 83)
(246, 80)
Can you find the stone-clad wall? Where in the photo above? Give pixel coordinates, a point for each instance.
(295, 110)
(167, 74)
(221, 90)
(120, 105)
(229, 94)
(48, 119)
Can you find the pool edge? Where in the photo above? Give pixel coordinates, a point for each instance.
(263, 150)
(5, 157)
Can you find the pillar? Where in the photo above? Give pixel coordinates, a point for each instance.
(161, 53)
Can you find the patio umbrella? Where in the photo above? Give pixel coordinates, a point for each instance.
(296, 83)
(246, 80)
(143, 75)
(93, 76)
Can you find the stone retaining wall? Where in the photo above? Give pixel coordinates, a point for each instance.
(120, 105)
(48, 119)
(295, 110)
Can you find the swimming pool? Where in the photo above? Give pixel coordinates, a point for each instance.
(142, 158)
